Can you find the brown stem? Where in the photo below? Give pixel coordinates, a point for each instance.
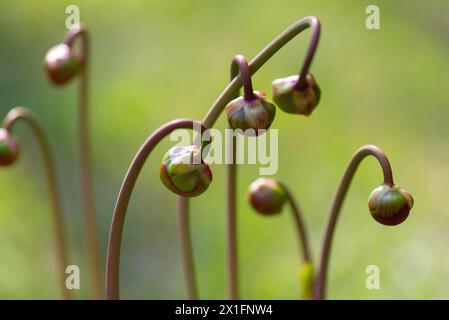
(367, 150)
(240, 62)
(231, 206)
(28, 117)
(299, 223)
(87, 192)
(121, 206)
(186, 248)
(314, 25)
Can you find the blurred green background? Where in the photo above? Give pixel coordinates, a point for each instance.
(153, 61)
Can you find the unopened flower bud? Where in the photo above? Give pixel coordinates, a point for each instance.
(266, 196)
(62, 63)
(292, 99)
(255, 114)
(9, 148)
(390, 205)
(184, 172)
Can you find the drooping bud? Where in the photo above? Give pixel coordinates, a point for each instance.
(390, 205)
(184, 172)
(62, 63)
(306, 276)
(292, 99)
(266, 196)
(255, 114)
(9, 148)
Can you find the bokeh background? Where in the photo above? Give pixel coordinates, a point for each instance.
(153, 61)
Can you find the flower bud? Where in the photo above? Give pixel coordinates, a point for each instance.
(390, 205)
(292, 99)
(9, 148)
(184, 172)
(253, 114)
(306, 275)
(62, 63)
(266, 196)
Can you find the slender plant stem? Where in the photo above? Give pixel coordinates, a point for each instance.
(186, 247)
(118, 219)
(300, 225)
(28, 117)
(87, 192)
(231, 192)
(261, 58)
(231, 208)
(242, 64)
(316, 30)
(362, 153)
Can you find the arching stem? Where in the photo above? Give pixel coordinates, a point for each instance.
(186, 248)
(118, 219)
(313, 44)
(28, 117)
(367, 150)
(87, 191)
(299, 224)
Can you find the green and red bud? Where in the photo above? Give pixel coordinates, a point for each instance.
(184, 172)
(390, 205)
(62, 63)
(266, 196)
(292, 99)
(256, 114)
(9, 148)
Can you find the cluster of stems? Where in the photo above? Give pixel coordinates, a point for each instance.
(241, 72)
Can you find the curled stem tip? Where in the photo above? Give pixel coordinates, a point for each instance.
(241, 63)
(315, 26)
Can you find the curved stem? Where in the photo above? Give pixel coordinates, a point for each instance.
(28, 117)
(121, 206)
(87, 192)
(260, 59)
(245, 75)
(367, 150)
(314, 25)
(299, 223)
(186, 248)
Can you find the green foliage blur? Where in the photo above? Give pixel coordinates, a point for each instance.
(153, 61)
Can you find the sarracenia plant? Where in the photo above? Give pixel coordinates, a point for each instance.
(295, 94)
(389, 205)
(9, 152)
(64, 62)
